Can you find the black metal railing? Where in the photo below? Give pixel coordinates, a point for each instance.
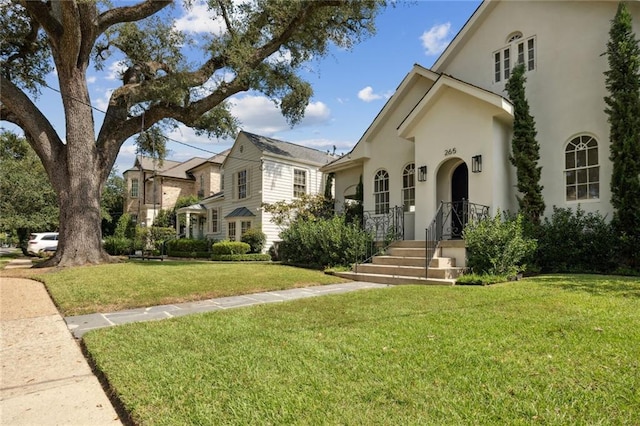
(384, 229)
(449, 222)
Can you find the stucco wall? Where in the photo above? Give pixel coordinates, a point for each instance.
(566, 89)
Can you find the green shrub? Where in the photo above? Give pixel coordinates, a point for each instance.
(576, 242)
(496, 246)
(191, 254)
(117, 246)
(187, 245)
(325, 242)
(230, 247)
(126, 227)
(481, 279)
(250, 257)
(255, 238)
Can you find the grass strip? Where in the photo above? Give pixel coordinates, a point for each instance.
(549, 350)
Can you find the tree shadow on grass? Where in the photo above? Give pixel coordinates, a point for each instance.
(597, 285)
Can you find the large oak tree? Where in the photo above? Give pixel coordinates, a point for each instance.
(262, 45)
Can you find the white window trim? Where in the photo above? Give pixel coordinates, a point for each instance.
(305, 174)
(498, 58)
(587, 167)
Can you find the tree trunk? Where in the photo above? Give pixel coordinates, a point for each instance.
(78, 176)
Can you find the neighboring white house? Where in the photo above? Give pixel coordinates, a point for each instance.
(445, 135)
(257, 170)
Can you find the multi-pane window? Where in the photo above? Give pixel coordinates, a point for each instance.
(409, 188)
(582, 173)
(214, 220)
(231, 234)
(299, 183)
(381, 192)
(242, 184)
(523, 51)
(134, 188)
(245, 225)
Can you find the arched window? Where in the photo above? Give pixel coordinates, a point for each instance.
(381, 192)
(409, 188)
(582, 172)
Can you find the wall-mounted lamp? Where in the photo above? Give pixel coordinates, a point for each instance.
(476, 163)
(422, 173)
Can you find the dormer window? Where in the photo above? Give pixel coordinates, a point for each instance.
(517, 51)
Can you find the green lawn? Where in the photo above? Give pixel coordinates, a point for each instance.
(552, 350)
(108, 288)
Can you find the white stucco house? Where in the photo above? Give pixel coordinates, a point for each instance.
(445, 135)
(256, 170)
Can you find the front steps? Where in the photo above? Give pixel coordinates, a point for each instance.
(405, 263)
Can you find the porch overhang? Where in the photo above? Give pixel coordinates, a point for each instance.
(500, 107)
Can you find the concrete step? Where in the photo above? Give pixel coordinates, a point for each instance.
(396, 280)
(400, 261)
(409, 271)
(406, 252)
(409, 244)
(442, 262)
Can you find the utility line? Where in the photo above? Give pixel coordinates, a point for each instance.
(167, 137)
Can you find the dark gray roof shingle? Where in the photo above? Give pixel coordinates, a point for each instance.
(288, 149)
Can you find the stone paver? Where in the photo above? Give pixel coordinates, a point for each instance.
(80, 324)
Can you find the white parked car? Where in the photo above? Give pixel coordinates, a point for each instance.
(42, 241)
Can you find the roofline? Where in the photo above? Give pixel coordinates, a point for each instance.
(397, 96)
(448, 81)
(481, 11)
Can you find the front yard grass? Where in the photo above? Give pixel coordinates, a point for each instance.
(113, 287)
(547, 350)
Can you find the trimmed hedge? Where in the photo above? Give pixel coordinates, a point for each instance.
(191, 254)
(251, 257)
(187, 245)
(230, 247)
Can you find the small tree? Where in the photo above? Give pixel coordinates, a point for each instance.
(306, 207)
(623, 109)
(526, 150)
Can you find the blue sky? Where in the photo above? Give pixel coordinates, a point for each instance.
(350, 87)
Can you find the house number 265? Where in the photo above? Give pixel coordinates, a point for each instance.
(449, 151)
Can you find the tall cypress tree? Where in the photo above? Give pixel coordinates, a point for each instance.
(526, 150)
(623, 109)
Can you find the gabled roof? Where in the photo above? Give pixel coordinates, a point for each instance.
(240, 212)
(464, 34)
(216, 159)
(290, 150)
(356, 156)
(169, 168)
(502, 106)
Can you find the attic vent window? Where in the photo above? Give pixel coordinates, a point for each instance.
(241, 148)
(514, 36)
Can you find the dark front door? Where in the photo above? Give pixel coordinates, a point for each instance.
(459, 196)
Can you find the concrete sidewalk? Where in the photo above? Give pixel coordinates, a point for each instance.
(80, 324)
(44, 378)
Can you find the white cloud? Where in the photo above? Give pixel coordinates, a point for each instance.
(198, 19)
(367, 95)
(92, 79)
(259, 114)
(436, 39)
(115, 70)
(102, 102)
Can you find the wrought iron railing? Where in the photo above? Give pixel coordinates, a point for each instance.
(449, 222)
(384, 228)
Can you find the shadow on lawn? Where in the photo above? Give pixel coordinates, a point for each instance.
(597, 285)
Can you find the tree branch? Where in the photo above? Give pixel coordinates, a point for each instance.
(130, 13)
(41, 12)
(17, 108)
